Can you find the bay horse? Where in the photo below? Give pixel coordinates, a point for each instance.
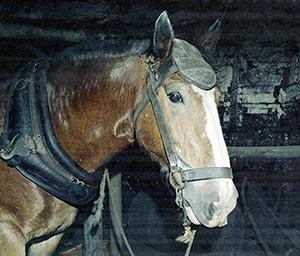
(101, 100)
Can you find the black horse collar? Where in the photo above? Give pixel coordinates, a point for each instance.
(29, 143)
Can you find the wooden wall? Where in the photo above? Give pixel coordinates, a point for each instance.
(257, 58)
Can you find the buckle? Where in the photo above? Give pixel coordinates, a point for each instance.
(21, 84)
(176, 180)
(5, 145)
(19, 145)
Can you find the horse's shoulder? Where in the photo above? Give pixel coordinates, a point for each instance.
(29, 207)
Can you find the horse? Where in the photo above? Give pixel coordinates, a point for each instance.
(102, 98)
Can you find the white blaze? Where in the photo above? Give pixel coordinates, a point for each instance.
(225, 202)
(227, 194)
(213, 128)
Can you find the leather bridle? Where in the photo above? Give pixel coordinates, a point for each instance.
(157, 73)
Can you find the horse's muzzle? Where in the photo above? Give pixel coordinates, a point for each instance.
(210, 202)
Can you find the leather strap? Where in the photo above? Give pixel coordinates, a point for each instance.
(206, 173)
(153, 84)
(155, 78)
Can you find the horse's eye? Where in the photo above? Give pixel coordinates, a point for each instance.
(175, 97)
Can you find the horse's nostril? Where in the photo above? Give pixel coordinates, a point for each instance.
(213, 210)
(210, 211)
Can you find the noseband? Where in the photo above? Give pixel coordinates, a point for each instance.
(155, 77)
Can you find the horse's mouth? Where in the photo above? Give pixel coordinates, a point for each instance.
(204, 219)
(190, 214)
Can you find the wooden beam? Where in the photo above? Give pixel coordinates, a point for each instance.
(76, 21)
(28, 32)
(282, 152)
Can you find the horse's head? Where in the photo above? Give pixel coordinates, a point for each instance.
(181, 128)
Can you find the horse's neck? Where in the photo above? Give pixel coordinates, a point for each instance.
(91, 108)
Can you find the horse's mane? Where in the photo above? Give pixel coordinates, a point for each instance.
(99, 49)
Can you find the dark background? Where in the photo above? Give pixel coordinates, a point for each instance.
(257, 56)
(258, 68)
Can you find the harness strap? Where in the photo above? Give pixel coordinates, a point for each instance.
(155, 78)
(153, 84)
(206, 173)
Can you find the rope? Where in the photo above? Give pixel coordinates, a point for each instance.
(116, 222)
(100, 201)
(92, 246)
(189, 247)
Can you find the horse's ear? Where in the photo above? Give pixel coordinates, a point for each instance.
(209, 41)
(163, 36)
